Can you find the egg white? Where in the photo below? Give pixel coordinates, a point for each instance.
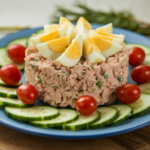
(83, 29)
(71, 32)
(46, 52)
(113, 49)
(46, 28)
(117, 40)
(107, 28)
(95, 57)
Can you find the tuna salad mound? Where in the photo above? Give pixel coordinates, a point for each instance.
(59, 85)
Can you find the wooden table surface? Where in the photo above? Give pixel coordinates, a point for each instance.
(14, 140)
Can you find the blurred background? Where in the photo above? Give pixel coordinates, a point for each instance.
(18, 14)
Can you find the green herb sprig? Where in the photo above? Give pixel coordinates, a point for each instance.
(99, 83)
(123, 19)
(55, 87)
(32, 66)
(40, 80)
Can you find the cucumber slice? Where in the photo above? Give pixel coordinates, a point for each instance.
(8, 92)
(145, 88)
(125, 112)
(145, 48)
(35, 113)
(147, 60)
(3, 84)
(29, 42)
(21, 41)
(65, 116)
(82, 122)
(5, 60)
(141, 106)
(108, 116)
(124, 42)
(12, 103)
(40, 31)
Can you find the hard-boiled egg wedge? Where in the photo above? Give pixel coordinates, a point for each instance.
(107, 28)
(65, 22)
(108, 48)
(115, 40)
(120, 36)
(73, 53)
(49, 28)
(71, 32)
(83, 25)
(53, 48)
(90, 51)
(49, 36)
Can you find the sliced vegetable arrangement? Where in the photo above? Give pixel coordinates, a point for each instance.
(18, 102)
(68, 119)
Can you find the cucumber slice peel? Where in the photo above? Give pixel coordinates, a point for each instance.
(8, 92)
(147, 60)
(108, 116)
(5, 60)
(141, 106)
(21, 41)
(145, 48)
(12, 103)
(3, 84)
(82, 122)
(35, 113)
(65, 116)
(40, 31)
(29, 42)
(125, 111)
(145, 88)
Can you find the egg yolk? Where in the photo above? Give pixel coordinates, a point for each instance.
(50, 36)
(83, 22)
(104, 33)
(101, 43)
(74, 51)
(54, 27)
(107, 37)
(59, 45)
(89, 46)
(66, 22)
(99, 29)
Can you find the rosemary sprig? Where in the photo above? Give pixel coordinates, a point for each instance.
(122, 19)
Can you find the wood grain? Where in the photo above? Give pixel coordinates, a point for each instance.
(14, 140)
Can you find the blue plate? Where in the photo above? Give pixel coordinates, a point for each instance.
(124, 127)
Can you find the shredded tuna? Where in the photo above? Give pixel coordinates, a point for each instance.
(61, 86)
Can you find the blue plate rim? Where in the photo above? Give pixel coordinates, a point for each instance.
(68, 136)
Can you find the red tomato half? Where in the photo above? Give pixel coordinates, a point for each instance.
(16, 53)
(10, 74)
(86, 105)
(141, 74)
(136, 56)
(128, 93)
(27, 93)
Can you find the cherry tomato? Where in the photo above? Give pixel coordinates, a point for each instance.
(86, 105)
(141, 74)
(27, 93)
(128, 93)
(16, 53)
(136, 56)
(10, 74)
